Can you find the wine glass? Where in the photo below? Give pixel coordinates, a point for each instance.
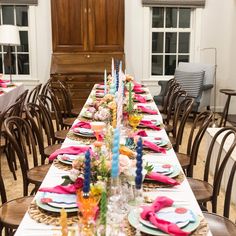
(97, 127)
(134, 120)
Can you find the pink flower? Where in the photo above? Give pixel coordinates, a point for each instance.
(124, 163)
(79, 183)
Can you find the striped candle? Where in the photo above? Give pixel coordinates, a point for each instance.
(115, 154)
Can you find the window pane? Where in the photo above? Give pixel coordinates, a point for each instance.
(157, 42)
(23, 64)
(184, 17)
(170, 64)
(157, 17)
(24, 47)
(10, 64)
(8, 15)
(157, 65)
(183, 58)
(171, 42)
(184, 42)
(171, 17)
(22, 15)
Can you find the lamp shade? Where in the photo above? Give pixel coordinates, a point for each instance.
(9, 35)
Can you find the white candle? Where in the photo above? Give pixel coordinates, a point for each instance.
(112, 67)
(105, 82)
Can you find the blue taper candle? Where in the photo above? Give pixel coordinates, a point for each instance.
(139, 164)
(87, 174)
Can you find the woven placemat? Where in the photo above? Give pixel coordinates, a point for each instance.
(202, 229)
(61, 165)
(84, 140)
(48, 218)
(150, 185)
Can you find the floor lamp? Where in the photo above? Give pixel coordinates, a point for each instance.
(9, 36)
(213, 124)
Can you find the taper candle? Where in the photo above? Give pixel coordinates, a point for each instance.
(139, 164)
(105, 82)
(130, 106)
(115, 154)
(87, 174)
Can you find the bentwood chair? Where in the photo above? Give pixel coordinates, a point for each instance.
(203, 190)
(23, 144)
(33, 94)
(181, 115)
(188, 160)
(13, 211)
(221, 225)
(39, 118)
(59, 134)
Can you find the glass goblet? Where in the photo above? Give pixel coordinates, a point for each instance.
(134, 120)
(97, 127)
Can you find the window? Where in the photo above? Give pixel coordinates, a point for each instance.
(16, 15)
(171, 32)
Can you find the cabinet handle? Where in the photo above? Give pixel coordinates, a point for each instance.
(69, 78)
(88, 56)
(87, 85)
(85, 10)
(89, 10)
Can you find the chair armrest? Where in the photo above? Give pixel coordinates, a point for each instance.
(163, 84)
(206, 87)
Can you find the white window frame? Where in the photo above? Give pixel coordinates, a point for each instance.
(147, 43)
(32, 48)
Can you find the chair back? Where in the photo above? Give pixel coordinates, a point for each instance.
(181, 115)
(22, 143)
(21, 99)
(33, 94)
(225, 139)
(40, 120)
(45, 87)
(198, 129)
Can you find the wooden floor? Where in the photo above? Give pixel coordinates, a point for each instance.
(15, 188)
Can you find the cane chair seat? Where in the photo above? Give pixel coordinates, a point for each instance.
(68, 121)
(60, 135)
(184, 160)
(12, 212)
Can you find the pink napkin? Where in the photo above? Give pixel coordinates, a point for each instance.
(149, 124)
(161, 178)
(148, 213)
(140, 98)
(82, 124)
(154, 147)
(138, 90)
(147, 110)
(68, 150)
(141, 133)
(60, 189)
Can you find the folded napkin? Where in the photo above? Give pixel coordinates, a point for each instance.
(154, 147)
(147, 110)
(149, 213)
(69, 150)
(138, 90)
(141, 133)
(161, 178)
(149, 124)
(82, 124)
(60, 189)
(140, 98)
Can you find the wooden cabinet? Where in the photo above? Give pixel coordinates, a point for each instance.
(86, 35)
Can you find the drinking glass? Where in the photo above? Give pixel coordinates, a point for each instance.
(134, 120)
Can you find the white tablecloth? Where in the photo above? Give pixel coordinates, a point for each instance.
(10, 94)
(209, 135)
(181, 194)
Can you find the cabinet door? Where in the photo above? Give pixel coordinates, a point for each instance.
(69, 25)
(106, 25)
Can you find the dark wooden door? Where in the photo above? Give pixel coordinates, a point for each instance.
(69, 25)
(106, 25)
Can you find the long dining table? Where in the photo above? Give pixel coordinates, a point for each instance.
(181, 194)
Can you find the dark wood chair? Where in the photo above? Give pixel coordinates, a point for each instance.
(220, 224)
(33, 94)
(198, 129)
(13, 211)
(59, 133)
(22, 143)
(181, 114)
(39, 118)
(203, 190)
